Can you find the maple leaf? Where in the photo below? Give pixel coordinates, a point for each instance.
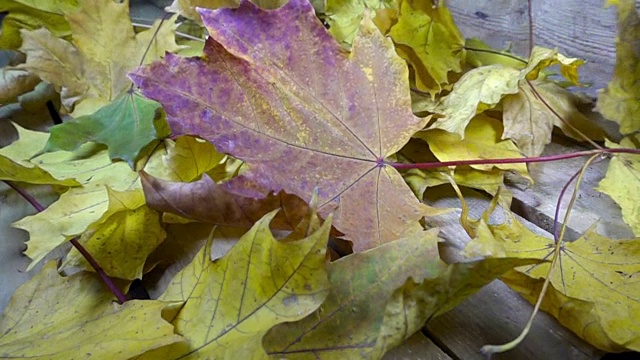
(15, 82)
(126, 126)
(55, 317)
(89, 204)
(529, 122)
(608, 268)
(183, 160)
(526, 119)
(620, 101)
(344, 16)
(31, 15)
(91, 71)
(206, 201)
(380, 297)
(622, 183)
(122, 239)
(15, 164)
(232, 302)
(253, 97)
(187, 8)
(476, 91)
(426, 36)
(482, 140)
(79, 207)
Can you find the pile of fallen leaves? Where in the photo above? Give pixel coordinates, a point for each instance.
(260, 183)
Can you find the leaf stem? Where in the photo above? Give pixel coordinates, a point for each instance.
(105, 278)
(537, 159)
(496, 52)
(183, 35)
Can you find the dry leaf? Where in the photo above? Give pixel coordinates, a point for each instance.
(55, 317)
(91, 71)
(380, 297)
(232, 302)
(428, 39)
(593, 269)
(299, 130)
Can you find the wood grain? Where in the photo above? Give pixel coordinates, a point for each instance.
(417, 347)
(583, 29)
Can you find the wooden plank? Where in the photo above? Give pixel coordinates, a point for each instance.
(496, 314)
(417, 347)
(583, 29)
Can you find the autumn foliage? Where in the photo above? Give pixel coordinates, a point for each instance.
(266, 183)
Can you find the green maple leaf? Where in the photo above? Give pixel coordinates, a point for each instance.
(126, 126)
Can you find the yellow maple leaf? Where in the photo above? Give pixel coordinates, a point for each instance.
(233, 301)
(122, 240)
(344, 16)
(78, 207)
(187, 8)
(478, 53)
(428, 39)
(529, 125)
(622, 183)
(15, 164)
(32, 14)
(596, 278)
(529, 122)
(620, 101)
(92, 71)
(481, 141)
(420, 180)
(380, 297)
(92, 205)
(476, 91)
(541, 58)
(55, 317)
(184, 159)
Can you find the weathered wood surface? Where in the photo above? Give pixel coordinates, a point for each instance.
(578, 28)
(496, 315)
(417, 347)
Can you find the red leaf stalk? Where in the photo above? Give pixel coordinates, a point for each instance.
(435, 165)
(105, 278)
